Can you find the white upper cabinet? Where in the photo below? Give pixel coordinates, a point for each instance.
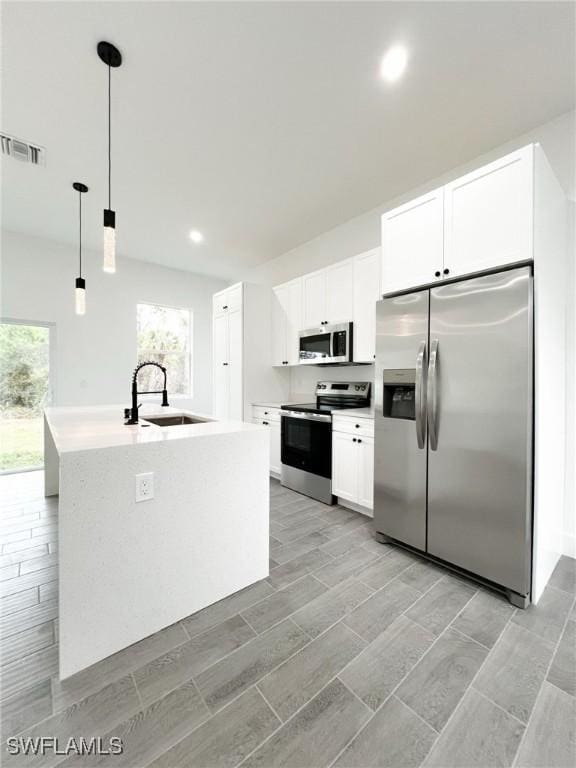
(314, 299)
(286, 322)
(227, 300)
(339, 292)
(488, 215)
(328, 295)
(366, 288)
(483, 220)
(413, 242)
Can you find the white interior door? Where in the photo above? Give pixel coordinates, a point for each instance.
(413, 243)
(339, 292)
(314, 293)
(220, 366)
(488, 215)
(236, 408)
(366, 294)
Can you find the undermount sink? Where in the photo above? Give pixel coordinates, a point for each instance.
(174, 421)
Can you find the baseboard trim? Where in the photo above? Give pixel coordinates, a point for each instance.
(355, 507)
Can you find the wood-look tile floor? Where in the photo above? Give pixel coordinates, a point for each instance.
(351, 654)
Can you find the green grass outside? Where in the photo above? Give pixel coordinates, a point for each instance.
(21, 443)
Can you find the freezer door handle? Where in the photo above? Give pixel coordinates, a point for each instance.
(420, 396)
(432, 396)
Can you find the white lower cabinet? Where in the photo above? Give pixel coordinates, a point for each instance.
(353, 467)
(366, 472)
(270, 417)
(275, 447)
(344, 466)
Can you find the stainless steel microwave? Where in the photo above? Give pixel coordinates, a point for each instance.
(326, 344)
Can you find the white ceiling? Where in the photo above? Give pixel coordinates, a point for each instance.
(262, 124)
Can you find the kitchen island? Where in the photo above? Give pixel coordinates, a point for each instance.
(129, 568)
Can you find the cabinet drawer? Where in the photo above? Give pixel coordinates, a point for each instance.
(351, 426)
(260, 413)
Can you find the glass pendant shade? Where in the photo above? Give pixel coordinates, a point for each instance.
(80, 296)
(109, 241)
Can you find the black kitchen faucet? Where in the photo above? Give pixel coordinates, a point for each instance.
(131, 414)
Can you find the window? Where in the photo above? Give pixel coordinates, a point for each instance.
(24, 393)
(165, 336)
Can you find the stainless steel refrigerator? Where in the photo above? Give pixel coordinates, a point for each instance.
(453, 425)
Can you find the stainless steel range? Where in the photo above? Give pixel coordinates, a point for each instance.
(306, 436)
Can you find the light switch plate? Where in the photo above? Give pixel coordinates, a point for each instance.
(145, 486)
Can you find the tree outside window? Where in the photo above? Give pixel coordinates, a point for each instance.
(165, 336)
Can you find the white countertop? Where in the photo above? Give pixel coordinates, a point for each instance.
(86, 428)
(357, 413)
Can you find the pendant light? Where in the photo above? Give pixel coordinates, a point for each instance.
(112, 57)
(80, 282)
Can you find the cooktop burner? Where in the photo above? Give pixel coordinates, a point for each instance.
(322, 408)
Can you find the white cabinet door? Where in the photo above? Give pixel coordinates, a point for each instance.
(413, 243)
(339, 292)
(280, 306)
(314, 299)
(219, 304)
(275, 447)
(366, 294)
(365, 449)
(488, 215)
(235, 364)
(293, 320)
(227, 300)
(220, 366)
(344, 466)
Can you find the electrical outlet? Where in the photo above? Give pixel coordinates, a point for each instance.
(145, 486)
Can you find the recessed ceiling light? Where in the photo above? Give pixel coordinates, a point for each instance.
(196, 237)
(393, 63)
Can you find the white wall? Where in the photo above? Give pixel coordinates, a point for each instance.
(363, 233)
(96, 354)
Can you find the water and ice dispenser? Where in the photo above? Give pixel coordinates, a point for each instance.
(399, 393)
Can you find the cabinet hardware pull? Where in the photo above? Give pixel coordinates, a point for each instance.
(265, 422)
(437, 274)
(446, 271)
(357, 426)
(353, 439)
(359, 441)
(225, 306)
(224, 363)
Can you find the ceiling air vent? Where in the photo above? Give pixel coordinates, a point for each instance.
(22, 150)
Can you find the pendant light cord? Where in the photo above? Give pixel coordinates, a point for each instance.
(109, 140)
(80, 231)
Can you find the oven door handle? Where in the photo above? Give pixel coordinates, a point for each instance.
(307, 416)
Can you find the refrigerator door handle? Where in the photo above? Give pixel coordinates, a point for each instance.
(432, 396)
(420, 397)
